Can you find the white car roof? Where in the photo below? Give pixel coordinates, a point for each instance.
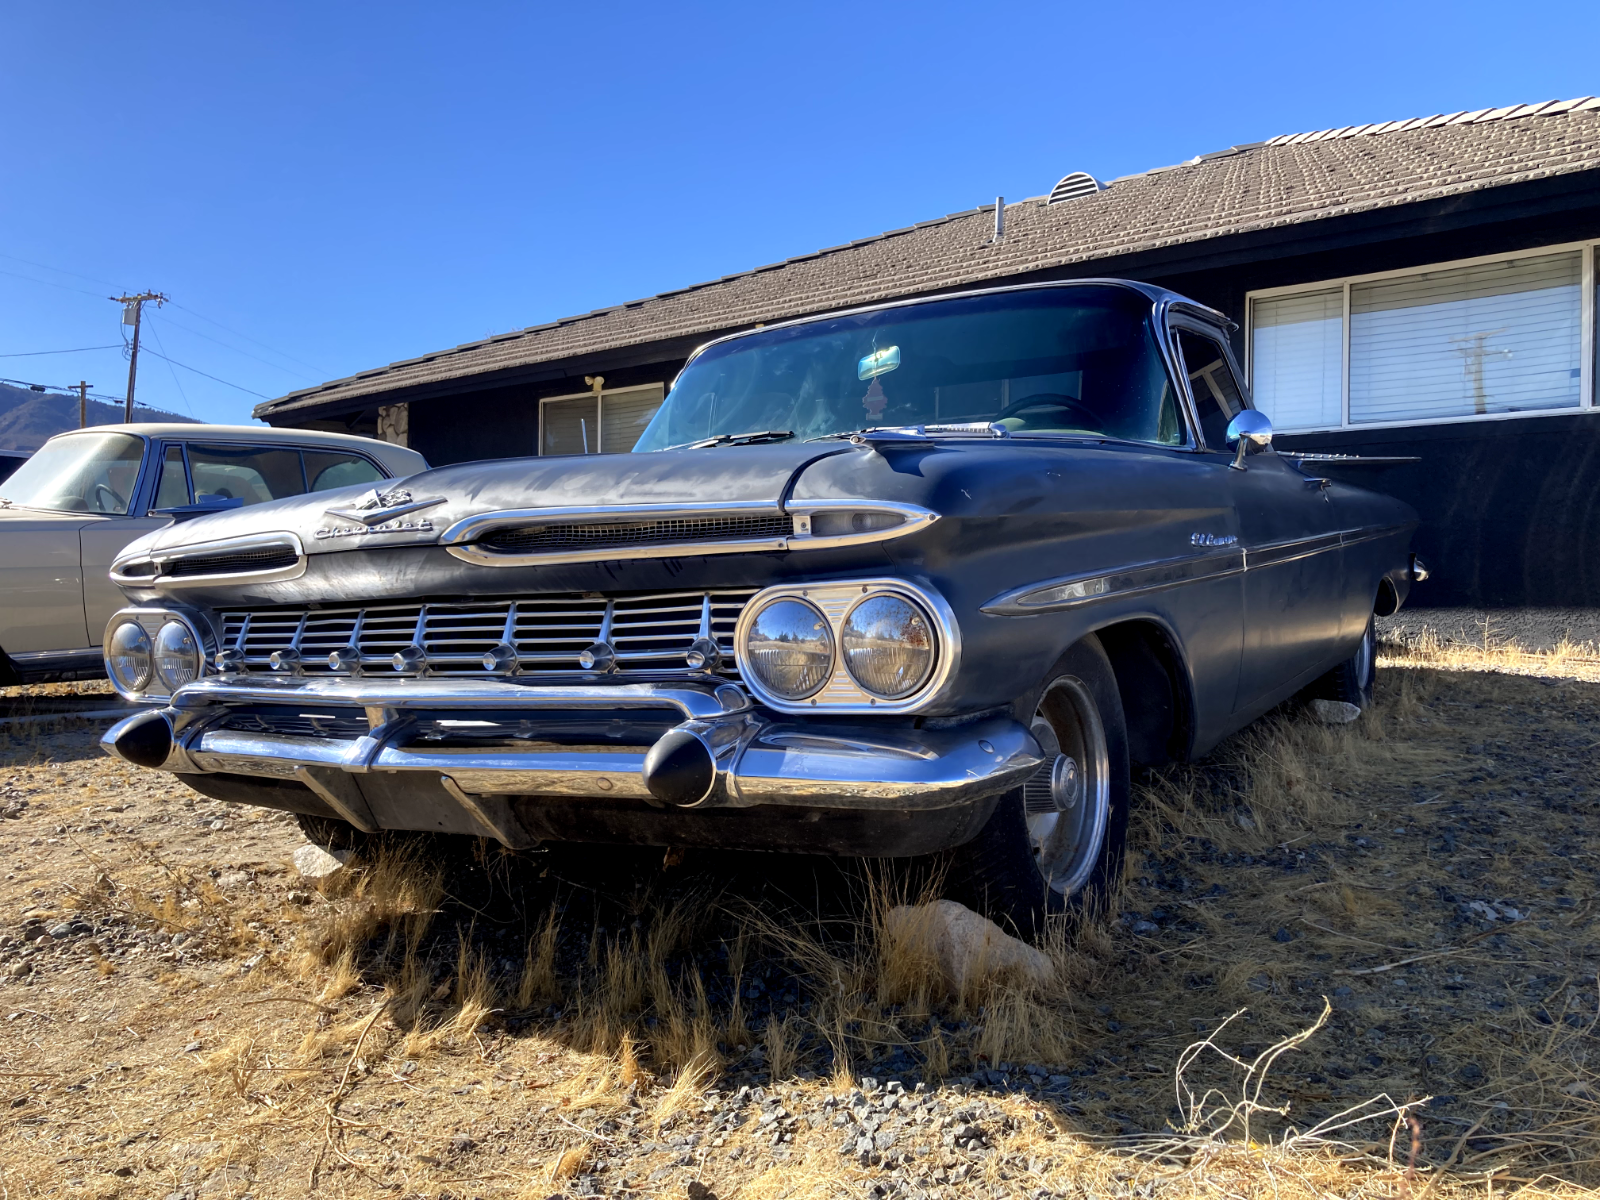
(396, 458)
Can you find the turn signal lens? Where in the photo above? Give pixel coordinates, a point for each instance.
(177, 655)
(128, 657)
(789, 649)
(888, 646)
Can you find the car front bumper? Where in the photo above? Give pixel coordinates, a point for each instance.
(722, 755)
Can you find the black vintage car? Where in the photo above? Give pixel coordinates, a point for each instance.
(923, 577)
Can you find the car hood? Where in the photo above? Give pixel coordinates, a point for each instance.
(438, 498)
(18, 519)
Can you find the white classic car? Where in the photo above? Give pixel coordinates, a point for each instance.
(84, 495)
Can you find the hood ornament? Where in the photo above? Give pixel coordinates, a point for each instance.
(376, 508)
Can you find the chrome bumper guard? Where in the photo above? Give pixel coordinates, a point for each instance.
(723, 752)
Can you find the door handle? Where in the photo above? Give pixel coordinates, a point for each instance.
(1315, 482)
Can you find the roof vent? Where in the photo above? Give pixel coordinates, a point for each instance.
(1079, 183)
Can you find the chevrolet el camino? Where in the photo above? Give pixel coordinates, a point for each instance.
(921, 578)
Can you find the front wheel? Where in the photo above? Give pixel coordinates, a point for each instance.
(1057, 841)
(1352, 680)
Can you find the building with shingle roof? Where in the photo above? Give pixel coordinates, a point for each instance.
(1421, 287)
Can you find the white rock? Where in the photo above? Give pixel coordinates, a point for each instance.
(1335, 712)
(965, 947)
(318, 862)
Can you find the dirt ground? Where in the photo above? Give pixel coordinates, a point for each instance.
(183, 1016)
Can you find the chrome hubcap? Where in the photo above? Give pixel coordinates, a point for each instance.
(1365, 658)
(1067, 802)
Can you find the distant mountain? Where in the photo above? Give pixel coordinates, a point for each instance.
(28, 418)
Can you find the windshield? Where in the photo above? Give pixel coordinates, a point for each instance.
(88, 473)
(1071, 360)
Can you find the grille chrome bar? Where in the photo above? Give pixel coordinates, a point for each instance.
(649, 633)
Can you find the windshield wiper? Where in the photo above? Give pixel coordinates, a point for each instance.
(738, 439)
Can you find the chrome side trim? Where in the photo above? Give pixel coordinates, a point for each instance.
(460, 539)
(1270, 554)
(841, 694)
(1069, 591)
(255, 541)
(915, 517)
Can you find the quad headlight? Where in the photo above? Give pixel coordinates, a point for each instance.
(177, 655)
(875, 645)
(128, 657)
(888, 646)
(789, 649)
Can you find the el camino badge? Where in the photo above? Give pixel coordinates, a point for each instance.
(378, 512)
(1212, 539)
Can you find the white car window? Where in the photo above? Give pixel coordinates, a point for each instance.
(88, 473)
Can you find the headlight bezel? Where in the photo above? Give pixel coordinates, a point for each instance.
(917, 613)
(114, 652)
(151, 620)
(836, 599)
(195, 652)
(748, 659)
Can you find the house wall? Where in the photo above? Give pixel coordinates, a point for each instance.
(1510, 508)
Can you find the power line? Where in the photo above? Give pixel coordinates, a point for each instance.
(197, 371)
(60, 270)
(319, 371)
(181, 393)
(254, 341)
(66, 287)
(235, 349)
(79, 350)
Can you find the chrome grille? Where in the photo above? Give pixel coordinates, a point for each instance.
(532, 539)
(648, 632)
(270, 558)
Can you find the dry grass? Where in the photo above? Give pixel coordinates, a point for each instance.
(401, 1032)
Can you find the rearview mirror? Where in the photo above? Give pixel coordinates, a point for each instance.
(1250, 426)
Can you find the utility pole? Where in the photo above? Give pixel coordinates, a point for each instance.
(132, 310)
(83, 404)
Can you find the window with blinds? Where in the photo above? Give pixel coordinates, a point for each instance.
(1482, 339)
(1492, 338)
(588, 424)
(1297, 345)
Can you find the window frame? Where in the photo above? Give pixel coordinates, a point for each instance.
(1588, 400)
(1185, 323)
(599, 415)
(157, 452)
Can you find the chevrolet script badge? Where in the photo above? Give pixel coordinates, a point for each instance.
(377, 508)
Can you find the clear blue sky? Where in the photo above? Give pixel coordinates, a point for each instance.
(352, 184)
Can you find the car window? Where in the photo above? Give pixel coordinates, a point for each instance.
(252, 474)
(173, 490)
(1217, 396)
(90, 473)
(1080, 360)
(326, 470)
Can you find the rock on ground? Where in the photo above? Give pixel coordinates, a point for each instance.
(1335, 712)
(966, 948)
(318, 862)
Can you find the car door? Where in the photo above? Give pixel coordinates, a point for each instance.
(163, 486)
(1287, 527)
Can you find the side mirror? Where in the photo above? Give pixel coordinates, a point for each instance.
(1249, 426)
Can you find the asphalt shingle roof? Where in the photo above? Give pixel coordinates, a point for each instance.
(1290, 179)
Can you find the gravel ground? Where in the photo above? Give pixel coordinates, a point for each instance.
(174, 1024)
